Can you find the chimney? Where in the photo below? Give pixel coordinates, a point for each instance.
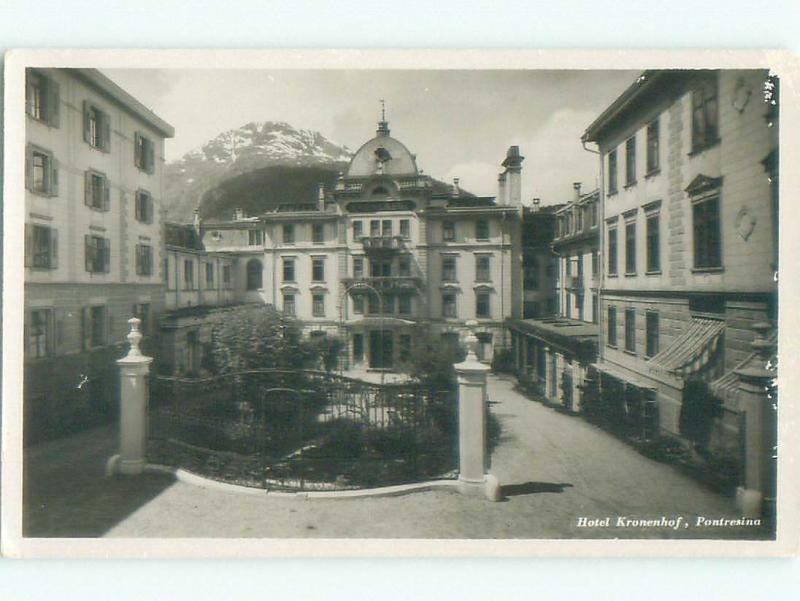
(455, 190)
(238, 214)
(513, 173)
(501, 189)
(535, 205)
(321, 196)
(196, 221)
(577, 188)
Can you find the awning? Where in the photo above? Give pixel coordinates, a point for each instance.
(727, 387)
(619, 374)
(691, 351)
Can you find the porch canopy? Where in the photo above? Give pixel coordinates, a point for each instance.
(726, 388)
(630, 378)
(691, 351)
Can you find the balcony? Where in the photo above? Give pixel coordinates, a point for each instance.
(394, 283)
(382, 245)
(575, 282)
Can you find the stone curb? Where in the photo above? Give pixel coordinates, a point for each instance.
(384, 491)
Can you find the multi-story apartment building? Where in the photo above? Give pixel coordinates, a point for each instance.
(384, 256)
(689, 232)
(539, 265)
(93, 244)
(553, 354)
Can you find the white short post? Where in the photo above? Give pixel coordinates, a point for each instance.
(473, 478)
(134, 369)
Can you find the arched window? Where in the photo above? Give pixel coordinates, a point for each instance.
(254, 274)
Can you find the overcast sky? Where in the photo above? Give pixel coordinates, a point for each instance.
(458, 123)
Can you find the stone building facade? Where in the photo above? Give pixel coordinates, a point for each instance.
(689, 232)
(93, 244)
(553, 353)
(384, 256)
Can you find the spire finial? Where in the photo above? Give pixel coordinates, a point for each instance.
(383, 126)
(383, 110)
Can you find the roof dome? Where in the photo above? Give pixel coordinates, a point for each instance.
(382, 155)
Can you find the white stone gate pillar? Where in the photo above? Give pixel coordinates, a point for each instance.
(473, 478)
(134, 369)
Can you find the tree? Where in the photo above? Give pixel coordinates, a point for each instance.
(431, 361)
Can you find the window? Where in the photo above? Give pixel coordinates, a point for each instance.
(449, 305)
(595, 303)
(318, 305)
(611, 324)
(97, 254)
(630, 161)
(95, 327)
(630, 248)
(209, 275)
(41, 246)
(530, 273)
(96, 127)
(143, 153)
(142, 312)
(653, 244)
(386, 227)
(144, 206)
(651, 325)
(405, 347)
(612, 172)
(188, 274)
(405, 228)
(593, 214)
(595, 263)
(448, 231)
(166, 273)
(707, 251)
(388, 305)
(288, 270)
(612, 251)
(358, 229)
(358, 267)
(255, 273)
(482, 229)
(380, 269)
(41, 171)
(704, 115)
(255, 237)
(288, 304)
(318, 270)
(288, 233)
(97, 191)
(652, 147)
(40, 333)
(448, 269)
(318, 233)
(404, 267)
(630, 330)
(358, 347)
(483, 268)
(404, 305)
(144, 259)
(226, 275)
(358, 303)
(482, 305)
(42, 98)
(375, 227)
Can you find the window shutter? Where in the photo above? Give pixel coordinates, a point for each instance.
(137, 149)
(86, 328)
(87, 252)
(87, 188)
(106, 255)
(106, 194)
(53, 176)
(149, 205)
(53, 249)
(28, 244)
(106, 130)
(29, 167)
(58, 330)
(53, 103)
(137, 204)
(138, 259)
(109, 326)
(150, 156)
(87, 132)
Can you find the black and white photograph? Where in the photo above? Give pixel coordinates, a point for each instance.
(279, 301)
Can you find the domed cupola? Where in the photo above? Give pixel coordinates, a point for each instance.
(382, 155)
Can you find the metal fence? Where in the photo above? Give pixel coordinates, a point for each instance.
(301, 430)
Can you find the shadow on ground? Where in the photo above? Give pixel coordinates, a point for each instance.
(531, 488)
(66, 492)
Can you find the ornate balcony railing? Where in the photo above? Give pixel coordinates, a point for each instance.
(393, 283)
(382, 244)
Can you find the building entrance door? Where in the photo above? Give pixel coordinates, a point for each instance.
(381, 349)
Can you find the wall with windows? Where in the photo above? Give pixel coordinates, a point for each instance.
(195, 278)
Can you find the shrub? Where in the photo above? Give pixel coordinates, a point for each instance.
(431, 362)
(503, 361)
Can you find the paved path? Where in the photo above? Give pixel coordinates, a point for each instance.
(554, 468)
